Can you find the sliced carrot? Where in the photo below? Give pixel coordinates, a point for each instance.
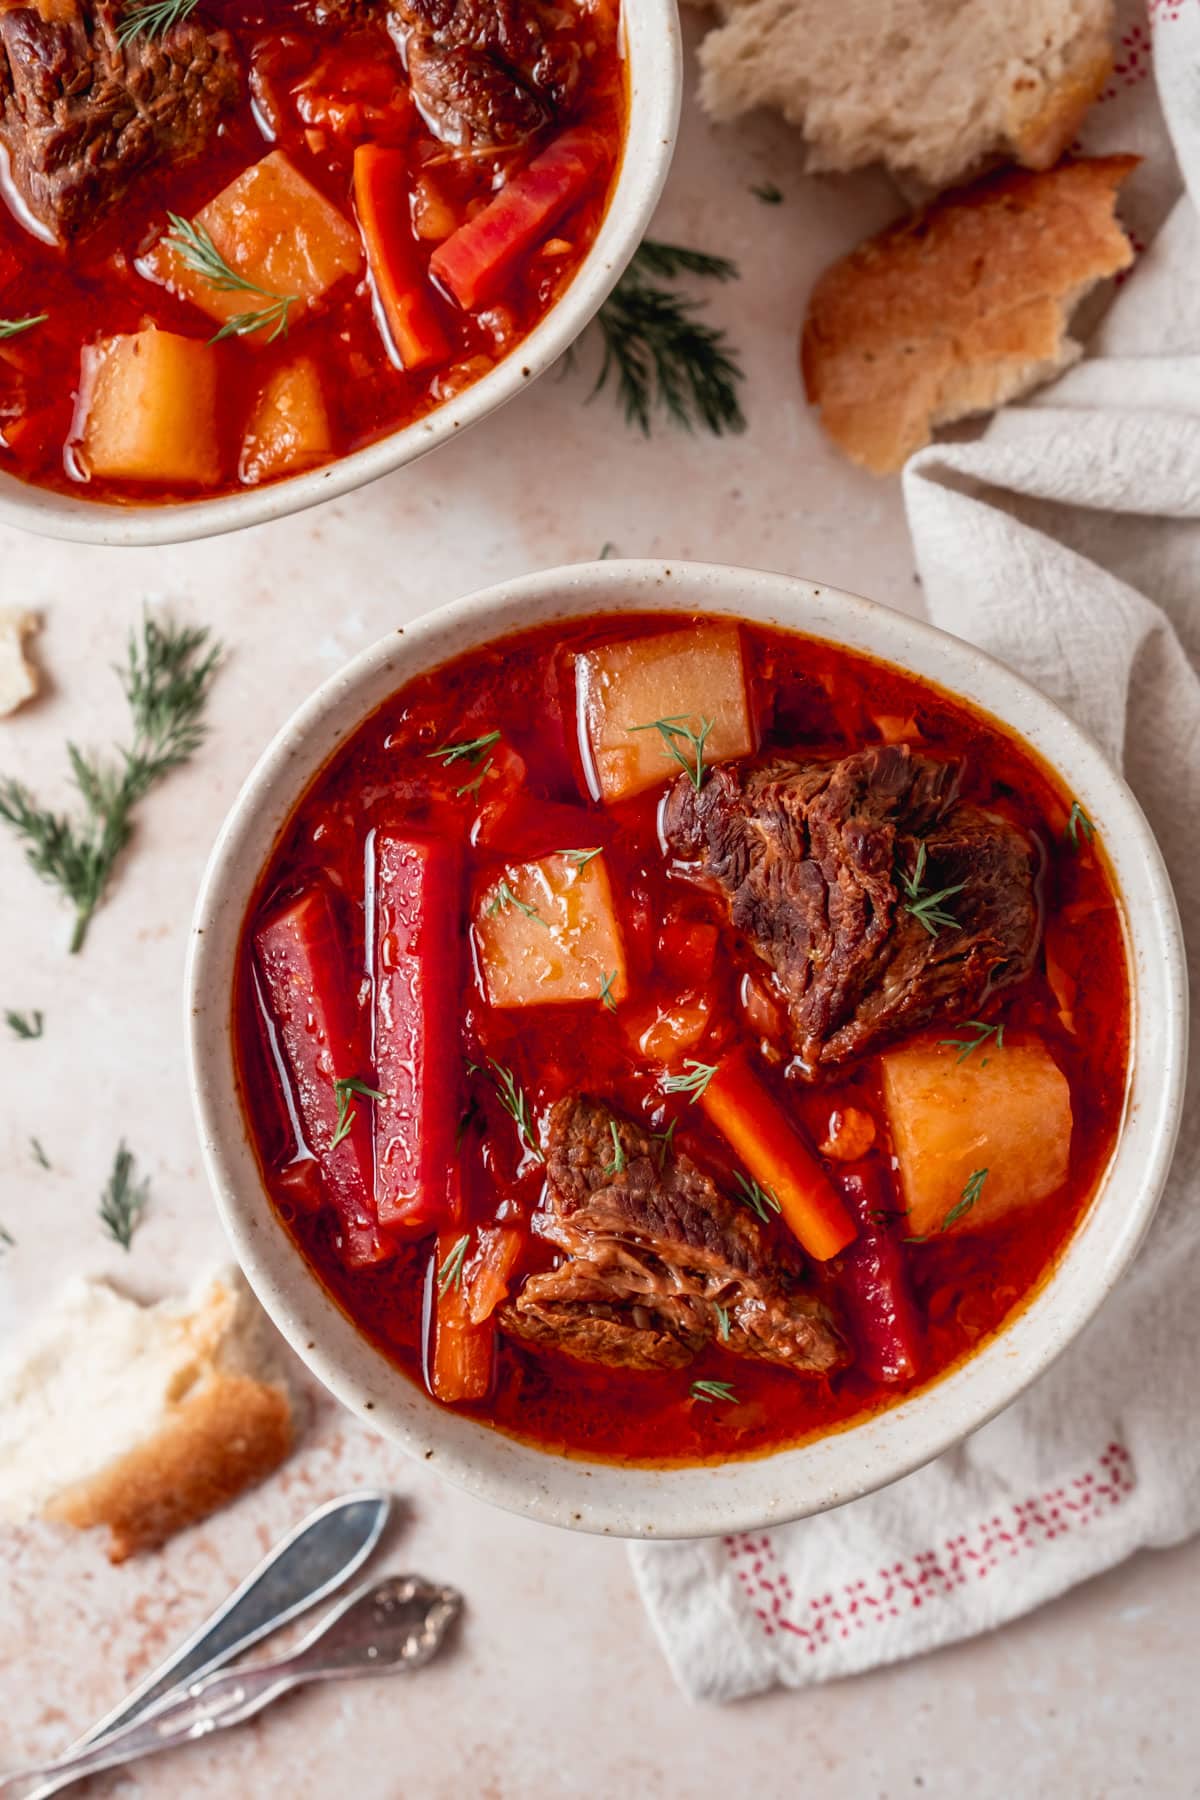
(479, 259)
(461, 1368)
(752, 1123)
(487, 1280)
(381, 195)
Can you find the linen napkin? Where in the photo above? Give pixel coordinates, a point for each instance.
(1067, 542)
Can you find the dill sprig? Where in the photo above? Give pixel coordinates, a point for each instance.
(722, 1313)
(464, 749)
(11, 328)
(927, 909)
(607, 998)
(970, 1195)
(965, 1045)
(1079, 825)
(759, 1199)
(504, 898)
(515, 1102)
(695, 1083)
(343, 1087)
(7, 1240)
(671, 729)
(666, 1143)
(768, 193)
(166, 681)
(712, 1390)
(198, 252)
(153, 19)
(580, 858)
(619, 1160)
(123, 1201)
(661, 356)
(39, 1155)
(25, 1025)
(451, 1272)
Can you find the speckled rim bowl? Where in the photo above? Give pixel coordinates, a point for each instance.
(652, 50)
(792, 1483)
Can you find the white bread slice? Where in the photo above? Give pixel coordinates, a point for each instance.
(930, 87)
(141, 1418)
(960, 308)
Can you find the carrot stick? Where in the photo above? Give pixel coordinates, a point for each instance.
(462, 1351)
(479, 259)
(381, 195)
(752, 1123)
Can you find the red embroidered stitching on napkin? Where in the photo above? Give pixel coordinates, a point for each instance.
(932, 1574)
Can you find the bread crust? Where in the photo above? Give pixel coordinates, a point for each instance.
(961, 307)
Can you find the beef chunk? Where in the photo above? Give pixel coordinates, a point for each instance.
(812, 858)
(490, 71)
(82, 117)
(653, 1254)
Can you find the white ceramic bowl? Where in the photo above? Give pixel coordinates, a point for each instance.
(652, 51)
(794, 1482)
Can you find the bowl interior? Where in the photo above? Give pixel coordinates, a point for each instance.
(652, 48)
(793, 1482)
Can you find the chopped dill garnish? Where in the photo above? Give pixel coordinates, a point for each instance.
(927, 909)
(606, 993)
(722, 1313)
(198, 253)
(343, 1087)
(768, 193)
(25, 1025)
(464, 749)
(1078, 823)
(759, 1199)
(153, 19)
(504, 898)
(713, 1390)
(665, 1141)
(451, 1272)
(670, 730)
(123, 1201)
(695, 1084)
(39, 1155)
(970, 1195)
(619, 1159)
(581, 858)
(166, 680)
(607, 549)
(11, 328)
(513, 1099)
(965, 1045)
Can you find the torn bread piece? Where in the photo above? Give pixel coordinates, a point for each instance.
(931, 88)
(19, 678)
(144, 1419)
(961, 308)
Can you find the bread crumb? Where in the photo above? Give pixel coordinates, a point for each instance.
(961, 308)
(19, 677)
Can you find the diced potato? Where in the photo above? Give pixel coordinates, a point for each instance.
(690, 677)
(147, 410)
(272, 226)
(1006, 1110)
(289, 427)
(548, 933)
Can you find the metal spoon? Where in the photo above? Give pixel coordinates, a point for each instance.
(397, 1624)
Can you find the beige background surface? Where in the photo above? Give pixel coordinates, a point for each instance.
(555, 1686)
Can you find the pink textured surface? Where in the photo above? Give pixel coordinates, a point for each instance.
(555, 1686)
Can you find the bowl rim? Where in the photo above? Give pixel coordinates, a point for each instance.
(706, 1499)
(652, 46)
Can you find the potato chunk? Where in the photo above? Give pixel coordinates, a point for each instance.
(289, 427)
(147, 410)
(272, 226)
(1006, 1110)
(547, 933)
(692, 677)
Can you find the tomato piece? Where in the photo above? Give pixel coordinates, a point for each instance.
(418, 973)
(478, 260)
(381, 194)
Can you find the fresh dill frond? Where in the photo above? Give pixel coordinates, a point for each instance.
(607, 549)
(451, 1272)
(196, 251)
(666, 1143)
(768, 193)
(659, 355)
(513, 1099)
(1079, 825)
(124, 1199)
(464, 749)
(713, 1390)
(25, 1025)
(927, 909)
(759, 1199)
(970, 1195)
(722, 1313)
(619, 1160)
(153, 19)
(39, 1155)
(166, 680)
(672, 729)
(504, 898)
(695, 1083)
(7, 1240)
(606, 994)
(11, 328)
(343, 1087)
(965, 1045)
(580, 858)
